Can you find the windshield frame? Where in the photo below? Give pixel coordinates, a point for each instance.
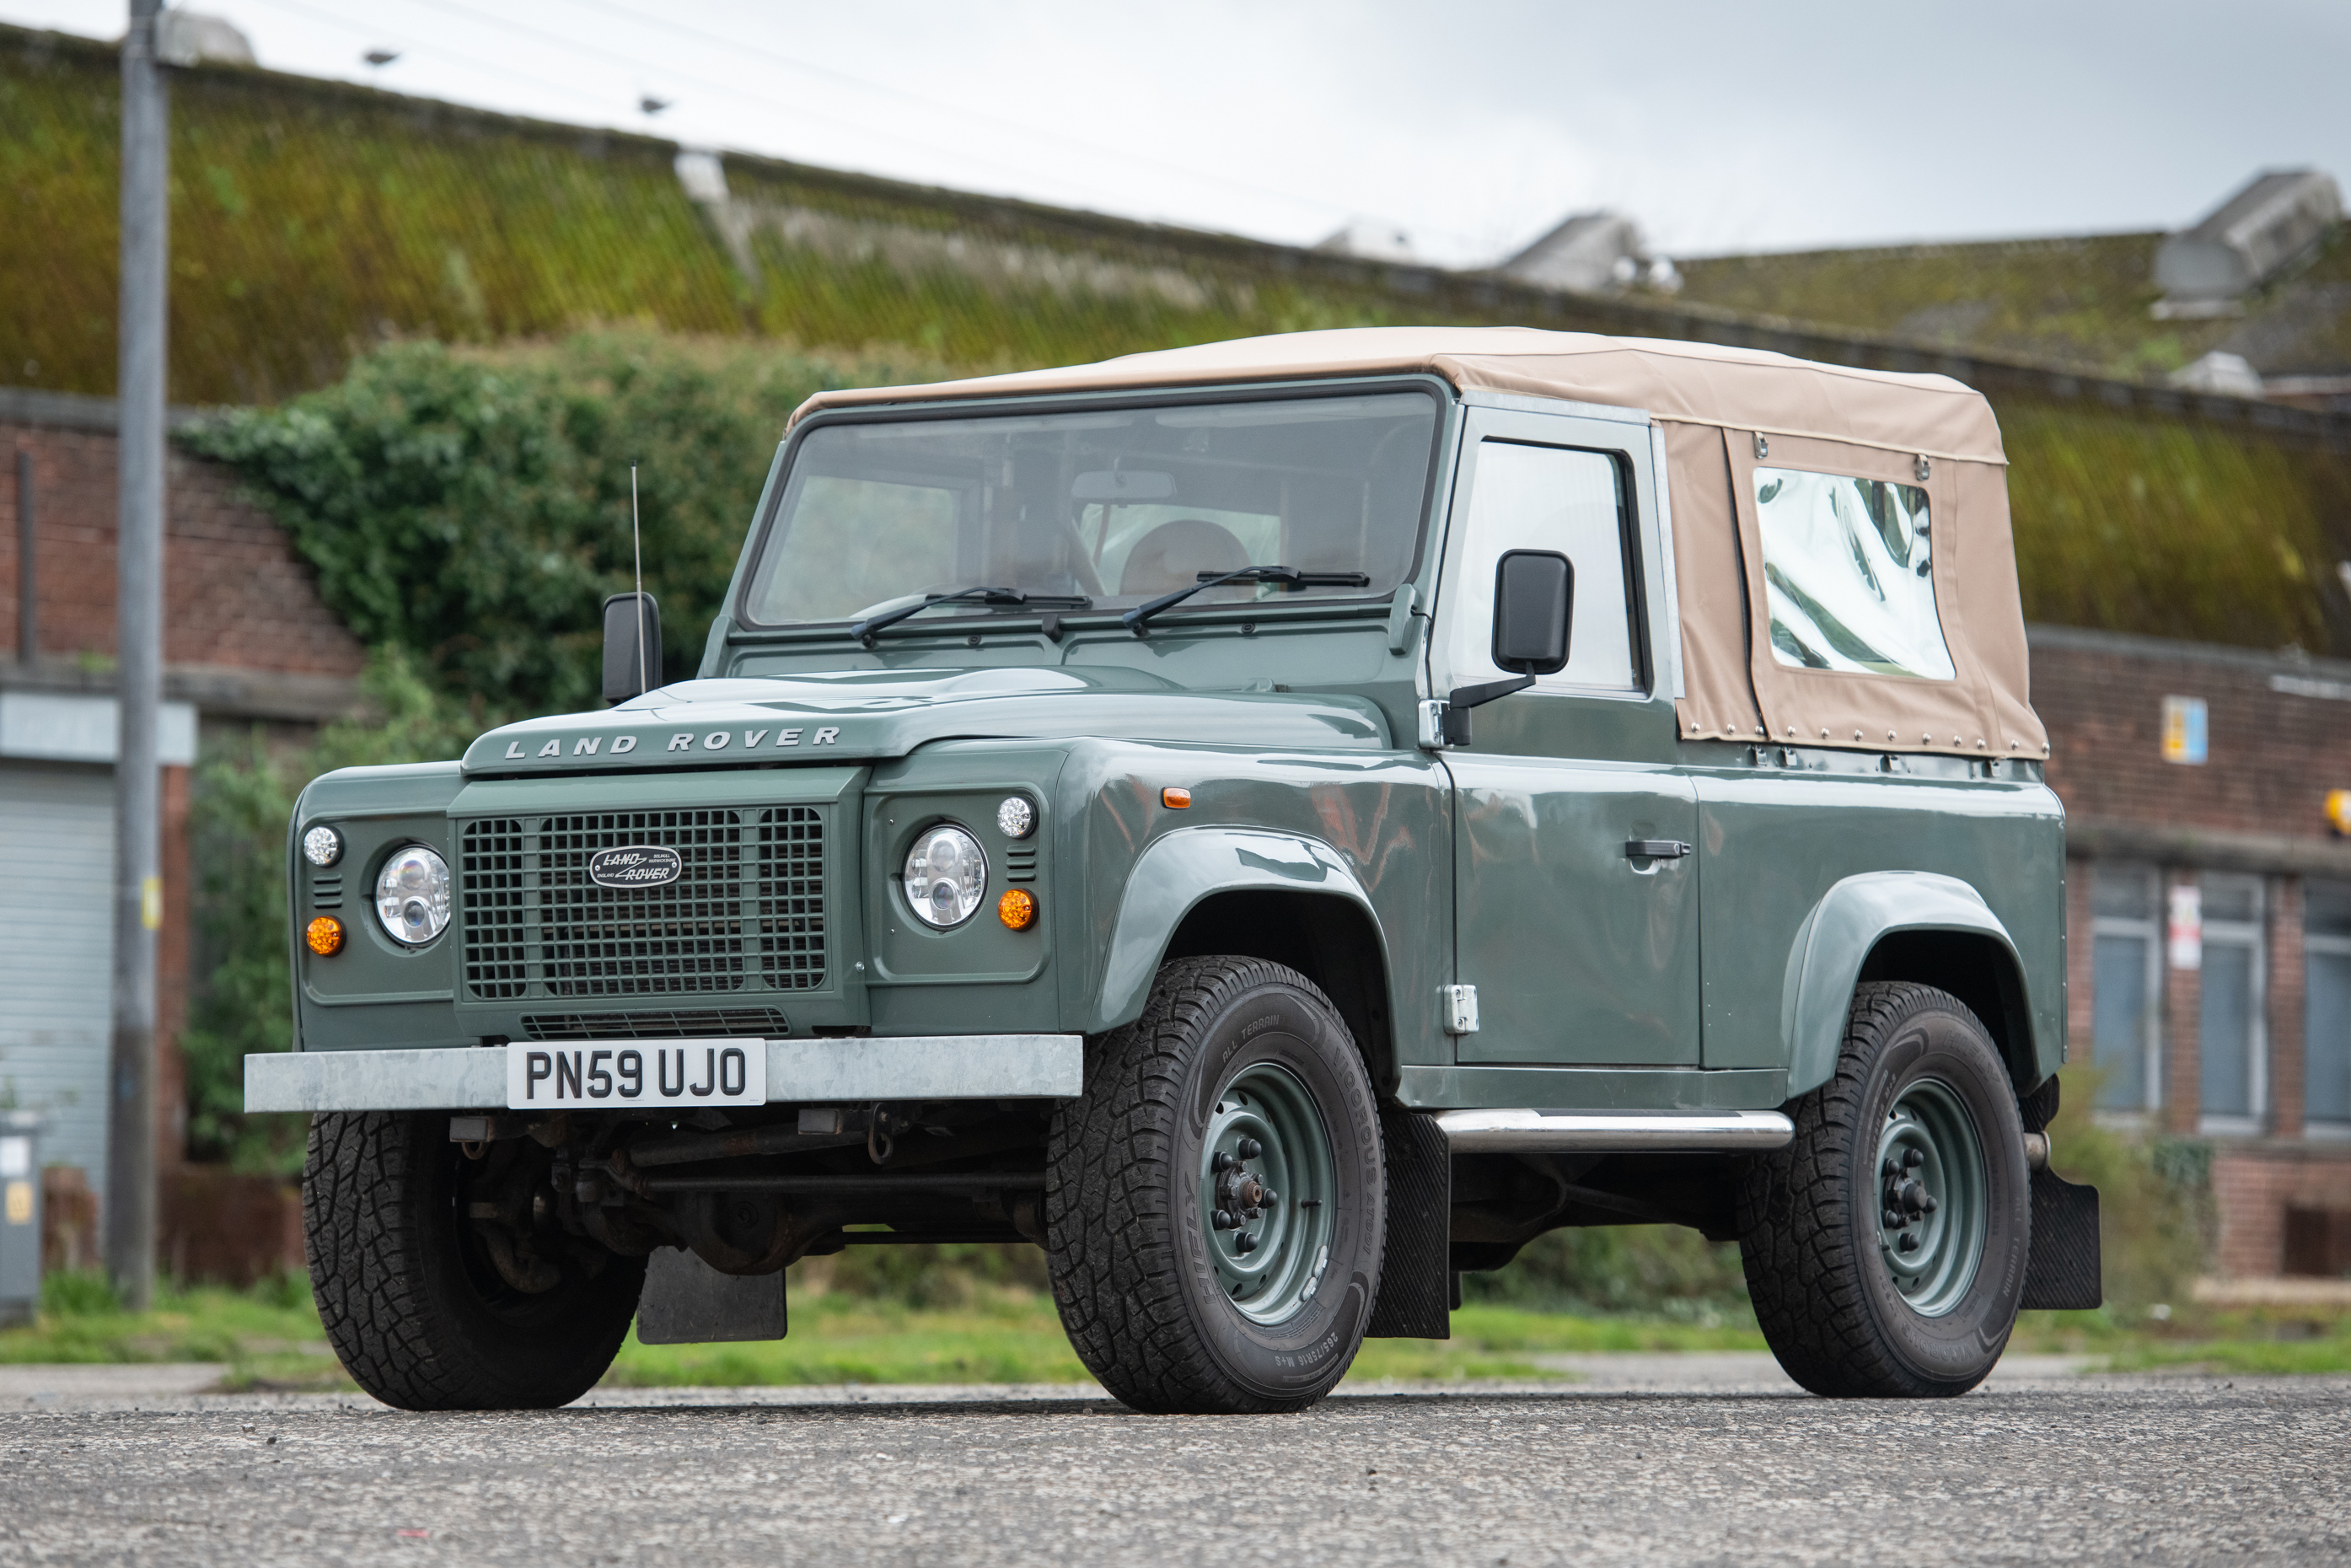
(1442, 393)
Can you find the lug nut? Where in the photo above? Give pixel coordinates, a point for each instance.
(1221, 1221)
(1221, 1162)
(1913, 1158)
(1896, 1218)
(1907, 1242)
(1244, 1242)
(1250, 1148)
(1928, 1205)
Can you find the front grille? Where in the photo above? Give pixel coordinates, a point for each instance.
(746, 913)
(668, 1023)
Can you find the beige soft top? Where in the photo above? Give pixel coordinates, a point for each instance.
(1712, 404)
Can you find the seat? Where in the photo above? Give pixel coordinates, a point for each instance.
(1174, 554)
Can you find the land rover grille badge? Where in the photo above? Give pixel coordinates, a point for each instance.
(636, 865)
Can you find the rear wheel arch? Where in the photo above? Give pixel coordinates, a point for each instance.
(1915, 926)
(1979, 970)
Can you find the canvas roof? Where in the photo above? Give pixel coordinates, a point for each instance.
(1717, 409)
(1698, 384)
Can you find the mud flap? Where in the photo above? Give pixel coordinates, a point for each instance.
(2062, 1270)
(1416, 1282)
(687, 1301)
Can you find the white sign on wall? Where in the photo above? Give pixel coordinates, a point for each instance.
(2184, 926)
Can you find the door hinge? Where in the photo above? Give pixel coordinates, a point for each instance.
(1460, 1009)
(1432, 724)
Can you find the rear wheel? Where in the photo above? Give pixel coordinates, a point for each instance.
(1215, 1202)
(1886, 1247)
(444, 1282)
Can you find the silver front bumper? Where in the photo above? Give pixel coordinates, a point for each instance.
(905, 1067)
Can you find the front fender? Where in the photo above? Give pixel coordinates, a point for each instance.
(1177, 871)
(1836, 939)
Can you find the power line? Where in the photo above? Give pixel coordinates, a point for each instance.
(357, 31)
(726, 90)
(671, 24)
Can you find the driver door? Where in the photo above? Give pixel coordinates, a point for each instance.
(1581, 953)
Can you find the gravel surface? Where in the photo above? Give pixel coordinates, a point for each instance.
(1634, 1464)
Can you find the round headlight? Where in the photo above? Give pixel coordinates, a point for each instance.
(322, 846)
(412, 895)
(1016, 817)
(947, 876)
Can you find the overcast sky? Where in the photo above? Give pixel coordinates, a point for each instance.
(1719, 126)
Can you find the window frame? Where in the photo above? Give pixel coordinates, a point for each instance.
(1626, 440)
(2252, 936)
(2148, 929)
(782, 486)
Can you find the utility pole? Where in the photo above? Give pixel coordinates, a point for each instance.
(139, 669)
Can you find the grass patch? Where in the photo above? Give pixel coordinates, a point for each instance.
(1007, 1337)
(265, 1337)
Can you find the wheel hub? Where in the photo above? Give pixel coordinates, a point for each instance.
(1267, 1180)
(1933, 1191)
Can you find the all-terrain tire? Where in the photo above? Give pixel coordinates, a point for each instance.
(1133, 1267)
(414, 1311)
(1811, 1216)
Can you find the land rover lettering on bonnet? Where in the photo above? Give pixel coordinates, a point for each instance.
(1277, 825)
(636, 865)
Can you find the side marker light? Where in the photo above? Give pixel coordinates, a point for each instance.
(1017, 908)
(325, 937)
(1174, 797)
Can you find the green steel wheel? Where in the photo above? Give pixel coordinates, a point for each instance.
(1267, 1179)
(1932, 1191)
(1885, 1246)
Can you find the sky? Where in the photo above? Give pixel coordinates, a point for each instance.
(1717, 126)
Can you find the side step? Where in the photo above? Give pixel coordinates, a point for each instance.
(1593, 1132)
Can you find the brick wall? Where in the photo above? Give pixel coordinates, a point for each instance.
(2275, 748)
(2254, 1185)
(236, 595)
(2286, 1006)
(2183, 1028)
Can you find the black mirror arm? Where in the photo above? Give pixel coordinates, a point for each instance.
(1463, 698)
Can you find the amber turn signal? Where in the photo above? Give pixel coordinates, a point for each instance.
(325, 937)
(1174, 797)
(1017, 908)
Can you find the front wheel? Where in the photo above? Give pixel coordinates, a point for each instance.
(1214, 1201)
(444, 1283)
(1885, 1246)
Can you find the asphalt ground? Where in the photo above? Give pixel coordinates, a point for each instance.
(1695, 1460)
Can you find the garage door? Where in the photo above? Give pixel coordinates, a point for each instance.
(56, 859)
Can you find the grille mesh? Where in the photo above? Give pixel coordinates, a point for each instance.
(746, 913)
(665, 1023)
(791, 897)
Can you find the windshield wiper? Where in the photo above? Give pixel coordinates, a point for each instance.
(863, 631)
(1289, 577)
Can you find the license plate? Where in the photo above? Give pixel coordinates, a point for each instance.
(641, 1072)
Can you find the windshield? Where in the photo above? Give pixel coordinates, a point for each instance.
(1107, 506)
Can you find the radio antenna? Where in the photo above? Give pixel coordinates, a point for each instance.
(637, 547)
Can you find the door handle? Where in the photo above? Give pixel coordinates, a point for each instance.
(1655, 849)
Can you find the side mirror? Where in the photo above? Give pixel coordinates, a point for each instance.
(633, 646)
(1534, 608)
(1534, 611)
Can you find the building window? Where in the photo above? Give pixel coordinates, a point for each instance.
(2125, 981)
(2327, 1003)
(2234, 1079)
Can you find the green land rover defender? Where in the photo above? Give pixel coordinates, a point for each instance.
(1276, 824)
